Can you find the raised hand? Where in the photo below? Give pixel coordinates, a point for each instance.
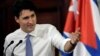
(75, 36)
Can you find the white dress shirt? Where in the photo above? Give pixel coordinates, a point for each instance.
(44, 38)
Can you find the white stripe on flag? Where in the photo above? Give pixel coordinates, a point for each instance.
(96, 18)
(80, 50)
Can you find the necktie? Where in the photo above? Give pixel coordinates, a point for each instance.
(29, 51)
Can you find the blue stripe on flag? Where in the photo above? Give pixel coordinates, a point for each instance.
(95, 1)
(92, 51)
(64, 35)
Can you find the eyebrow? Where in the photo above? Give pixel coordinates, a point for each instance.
(26, 17)
(32, 14)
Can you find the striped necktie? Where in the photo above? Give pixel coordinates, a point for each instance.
(29, 51)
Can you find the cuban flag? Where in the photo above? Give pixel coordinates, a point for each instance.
(84, 14)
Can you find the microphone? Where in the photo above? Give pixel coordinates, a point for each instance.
(7, 47)
(12, 54)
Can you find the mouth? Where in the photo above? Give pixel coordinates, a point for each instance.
(31, 25)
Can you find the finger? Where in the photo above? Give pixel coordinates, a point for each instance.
(75, 34)
(76, 37)
(74, 40)
(77, 30)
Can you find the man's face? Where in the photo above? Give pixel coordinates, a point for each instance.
(26, 20)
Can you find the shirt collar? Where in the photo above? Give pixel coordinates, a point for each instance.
(33, 33)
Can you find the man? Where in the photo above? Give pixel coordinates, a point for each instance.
(43, 37)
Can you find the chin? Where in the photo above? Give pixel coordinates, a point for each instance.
(30, 30)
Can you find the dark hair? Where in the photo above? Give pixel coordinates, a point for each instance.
(20, 5)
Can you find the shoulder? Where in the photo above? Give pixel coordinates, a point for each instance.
(11, 35)
(46, 26)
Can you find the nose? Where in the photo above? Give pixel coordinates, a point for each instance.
(30, 20)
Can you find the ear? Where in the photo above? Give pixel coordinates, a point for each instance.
(16, 19)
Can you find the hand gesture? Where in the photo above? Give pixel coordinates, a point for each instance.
(75, 36)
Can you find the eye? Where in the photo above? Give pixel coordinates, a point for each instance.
(32, 15)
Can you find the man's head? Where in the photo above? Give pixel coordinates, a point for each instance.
(24, 12)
